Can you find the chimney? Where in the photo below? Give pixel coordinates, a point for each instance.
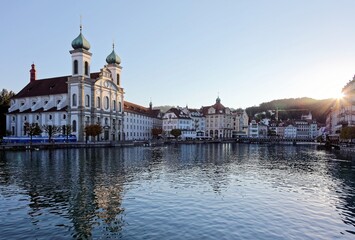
(32, 73)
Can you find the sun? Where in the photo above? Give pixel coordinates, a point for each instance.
(339, 96)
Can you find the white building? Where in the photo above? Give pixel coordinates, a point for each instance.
(219, 123)
(198, 121)
(139, 121)
(240, 121)
(253, 129)
(79, 99)
(176, 118)
(290, 132)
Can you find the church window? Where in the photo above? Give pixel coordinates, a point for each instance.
(119, 106)
(86, 68)
(13, 130)
(13, 119)
(74, 100)
(114, 105)
(50, 117)
(76, 67)
(98, 102)
(87, 100)
(74, 126)
(118, 79)
(64, 116)
(107, 103)
(37, 117)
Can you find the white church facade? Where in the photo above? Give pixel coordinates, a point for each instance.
(79, 99)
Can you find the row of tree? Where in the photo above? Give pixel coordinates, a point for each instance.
(33, 129)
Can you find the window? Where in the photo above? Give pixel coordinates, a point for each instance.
(74, 100)
(50, 117)
(119, 106)
(13, 119)
(64, 116)
(58, 101)
(87, 100)
(98, 102)
(37, 117)
(114, 105)
(118, 79)
(107, 102)
(75, 67)
(74, 126)
(86, 68)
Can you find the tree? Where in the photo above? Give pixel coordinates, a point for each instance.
(93, 130)
(347, 133)
(156, 132)
(67, 131)
(51, 130)
(32, 129)
(5, 97)
(175, 132)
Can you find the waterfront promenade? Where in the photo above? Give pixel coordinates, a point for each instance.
(151, 143)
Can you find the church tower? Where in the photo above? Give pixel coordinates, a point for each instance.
(79, 86)
(114, 61)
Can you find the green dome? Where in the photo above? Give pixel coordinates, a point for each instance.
(113, 58)
(80, 42)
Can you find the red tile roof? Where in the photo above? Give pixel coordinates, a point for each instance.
(49, 86)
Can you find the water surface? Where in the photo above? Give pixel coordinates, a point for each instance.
(216, 191)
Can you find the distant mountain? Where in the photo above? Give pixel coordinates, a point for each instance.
(293, 108)
(164, 108)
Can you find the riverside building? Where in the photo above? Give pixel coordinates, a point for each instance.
(78, 99)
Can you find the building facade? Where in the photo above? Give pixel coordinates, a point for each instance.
(80, 99)
(219, 120)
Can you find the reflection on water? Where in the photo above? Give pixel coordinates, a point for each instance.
(225, 191)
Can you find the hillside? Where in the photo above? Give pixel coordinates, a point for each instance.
(318, 108)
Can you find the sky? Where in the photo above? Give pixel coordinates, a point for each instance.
(189, 52)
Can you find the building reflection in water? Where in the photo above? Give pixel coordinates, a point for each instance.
(85, 188)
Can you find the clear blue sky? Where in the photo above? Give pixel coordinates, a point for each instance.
(185, 52)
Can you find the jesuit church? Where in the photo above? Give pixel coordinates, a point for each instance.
(79, 99)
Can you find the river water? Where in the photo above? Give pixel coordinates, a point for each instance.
(213, 191)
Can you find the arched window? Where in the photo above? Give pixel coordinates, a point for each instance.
(87, 100)
(98, 102)
(74, 100)
(119, 106)
(86, 68)
(107, 102)
(114, 105)
(118, 79)
(75, 67)
(74, 126)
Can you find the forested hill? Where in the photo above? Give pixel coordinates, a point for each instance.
(318, 108)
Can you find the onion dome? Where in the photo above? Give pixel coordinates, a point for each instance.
(113, 57)
(80, 42)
